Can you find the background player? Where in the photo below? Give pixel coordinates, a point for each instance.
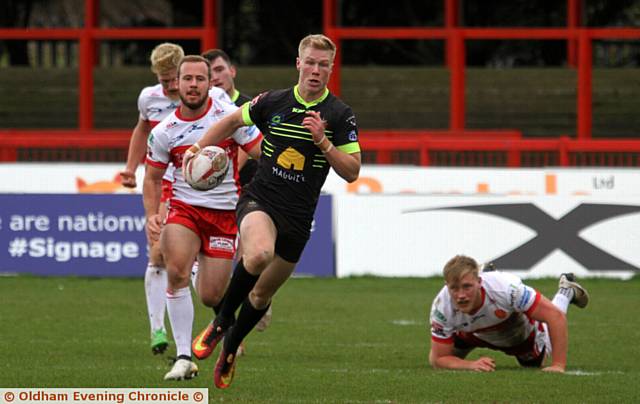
(154, 104)
(223, 74)
(496, 310)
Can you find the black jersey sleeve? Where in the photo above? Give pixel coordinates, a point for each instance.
(345, 131)
(253, 112)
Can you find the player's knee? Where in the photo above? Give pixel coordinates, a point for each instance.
(211, 297)
(259, 300)
(155, 254)
(177, 279)
(257, 261)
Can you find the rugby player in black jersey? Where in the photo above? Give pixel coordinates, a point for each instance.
(307, 131)
(223, 75)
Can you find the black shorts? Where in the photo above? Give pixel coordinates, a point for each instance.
(290, 242)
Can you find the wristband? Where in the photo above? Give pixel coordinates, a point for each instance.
(328, 149)
(321, 140)
(197, 146)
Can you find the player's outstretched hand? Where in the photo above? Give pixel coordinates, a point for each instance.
(128, 178)
(484, 364)
(554, 369)
(153, 228)
(188, 155)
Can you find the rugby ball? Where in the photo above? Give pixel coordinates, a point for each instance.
(207, 169)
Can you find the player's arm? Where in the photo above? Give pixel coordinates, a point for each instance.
(255, 151)
(137, 150)
(215, 134)
(344, 164)
(242, 158)
(151, 192)
(556, 321)
(441, 356)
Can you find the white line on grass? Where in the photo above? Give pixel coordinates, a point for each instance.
(585, 373)
(405, 322)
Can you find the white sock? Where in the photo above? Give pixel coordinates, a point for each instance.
(180, 308)
(155, 288)
(194, 275)
(563, 298)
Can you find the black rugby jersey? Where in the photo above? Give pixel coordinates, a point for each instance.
(250, 166)
(239, 99)
(292, 169)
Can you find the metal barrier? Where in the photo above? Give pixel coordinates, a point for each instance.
(423, 148)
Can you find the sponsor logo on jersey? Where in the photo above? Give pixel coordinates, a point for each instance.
(438, 314)
(298, 110)
(256, 99)
(500, 313)
(476, 318)
(221, 243)
(276, 119)
(291, 159)
(512, 295)
(172, 124)
(287, 175)
(195, 127)
(438, 329)
(524, 299)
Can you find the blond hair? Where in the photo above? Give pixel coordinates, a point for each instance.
(317, 41)
(458, 267)
(166, 57)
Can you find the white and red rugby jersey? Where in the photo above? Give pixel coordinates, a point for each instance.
(502, 320)
(175, 134)
(154, 106)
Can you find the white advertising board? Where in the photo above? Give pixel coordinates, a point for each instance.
(492, 181)
(62, 178)
(104, 178)
(415, 235)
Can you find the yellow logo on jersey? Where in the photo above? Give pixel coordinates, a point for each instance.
(291, 159)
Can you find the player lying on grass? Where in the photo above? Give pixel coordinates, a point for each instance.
(496, 310)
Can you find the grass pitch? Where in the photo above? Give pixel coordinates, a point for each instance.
(360, 340)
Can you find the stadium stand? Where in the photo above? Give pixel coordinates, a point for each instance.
(446, 116)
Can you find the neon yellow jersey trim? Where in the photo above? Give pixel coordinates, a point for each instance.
(235, 95)
(245, 114)
(308, 105)
(349, 148)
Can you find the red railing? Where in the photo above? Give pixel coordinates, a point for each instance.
(428, 145)
(91, 33)
(455, 37)
(505, 148)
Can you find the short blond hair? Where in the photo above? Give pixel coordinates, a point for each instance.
(166, 57)
(317, 41)
(458, 267)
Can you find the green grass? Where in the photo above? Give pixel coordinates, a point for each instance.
(361, 340)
